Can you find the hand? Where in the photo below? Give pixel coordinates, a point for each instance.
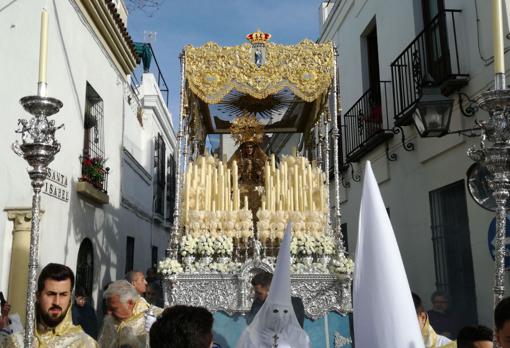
(149, 320)
(4, 322)
(6, 308)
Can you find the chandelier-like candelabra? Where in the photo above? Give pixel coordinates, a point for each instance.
(494, 150)
(494, 154)
(38, 147)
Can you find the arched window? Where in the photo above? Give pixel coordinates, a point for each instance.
(85, 267)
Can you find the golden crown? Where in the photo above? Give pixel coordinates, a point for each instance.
(258, 37)
(247, 128)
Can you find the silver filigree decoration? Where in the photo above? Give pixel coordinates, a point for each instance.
(341, 341)
(232, 293)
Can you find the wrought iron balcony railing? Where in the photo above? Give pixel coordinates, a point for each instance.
(366, 123)
(146, 53)
(432, 57)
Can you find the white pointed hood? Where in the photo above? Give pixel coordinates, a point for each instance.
(384, 314)
(276, 316)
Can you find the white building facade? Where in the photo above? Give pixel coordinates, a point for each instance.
(387, 52)
(102, 226)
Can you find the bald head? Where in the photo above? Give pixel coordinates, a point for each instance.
(137, 279)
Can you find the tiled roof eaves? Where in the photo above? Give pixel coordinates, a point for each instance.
(122, 27)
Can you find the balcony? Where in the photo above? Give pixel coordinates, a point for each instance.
(432, 58)
(149, 65)
(93, 184)
(366, 123)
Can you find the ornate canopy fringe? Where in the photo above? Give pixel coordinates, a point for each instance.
(212, 71)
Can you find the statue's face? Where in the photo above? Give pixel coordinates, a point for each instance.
(248, 149)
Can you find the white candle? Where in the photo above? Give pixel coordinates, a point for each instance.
(202, 170)
(310, 188)
(220, 190)
(43, 46)
(246, 202)
(186, 199)
(296, 187)
(497, 28)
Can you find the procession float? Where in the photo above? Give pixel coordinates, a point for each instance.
(234, 199)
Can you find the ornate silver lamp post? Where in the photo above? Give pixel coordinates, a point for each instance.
(38, 147)
(495, 155)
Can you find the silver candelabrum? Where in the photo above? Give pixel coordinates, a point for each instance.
(494, 154)
(38, 147)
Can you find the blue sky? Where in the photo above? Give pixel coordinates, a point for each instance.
(181, 22)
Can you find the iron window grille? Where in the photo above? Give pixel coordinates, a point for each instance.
(170, 188)
(159, 175)
(93, 143)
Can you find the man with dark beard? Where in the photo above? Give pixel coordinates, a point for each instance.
(54, 327)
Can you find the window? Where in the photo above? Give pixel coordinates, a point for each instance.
(154, 256)
(159, 175)
(85, 267)
(130, 254)
(452, 249)
(93, 145)
(93, 157)
(170, 188)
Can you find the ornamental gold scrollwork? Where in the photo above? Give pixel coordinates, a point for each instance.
(212, 71)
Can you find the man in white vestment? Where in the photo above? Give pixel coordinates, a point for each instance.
(275, 324)
(123, 326)
(137, 279)
(54, 325)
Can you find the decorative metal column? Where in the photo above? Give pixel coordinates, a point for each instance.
(173, 246)
(38, 147)
(496, 158)
(335, 138)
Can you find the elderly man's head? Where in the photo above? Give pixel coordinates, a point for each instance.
(120, 299)
(137, 279)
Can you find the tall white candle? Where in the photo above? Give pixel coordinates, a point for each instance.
(497, 28)
(43, 46)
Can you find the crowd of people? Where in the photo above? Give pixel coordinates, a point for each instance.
(134, 317)
(439, 327)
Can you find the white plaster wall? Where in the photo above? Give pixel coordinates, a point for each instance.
(74, 58)
(436, 162)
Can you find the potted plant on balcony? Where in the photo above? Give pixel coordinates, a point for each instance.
(94, 171)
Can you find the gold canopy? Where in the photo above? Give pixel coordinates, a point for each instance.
(213, 71)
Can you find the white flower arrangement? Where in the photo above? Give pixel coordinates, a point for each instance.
(169, 266)
(215, 267)
(205, 245)
(316, 267)
(223, 246)
(303, 245)
(342, 265)
(325, 245)
(188, 245)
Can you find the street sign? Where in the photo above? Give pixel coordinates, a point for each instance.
(492, 241)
